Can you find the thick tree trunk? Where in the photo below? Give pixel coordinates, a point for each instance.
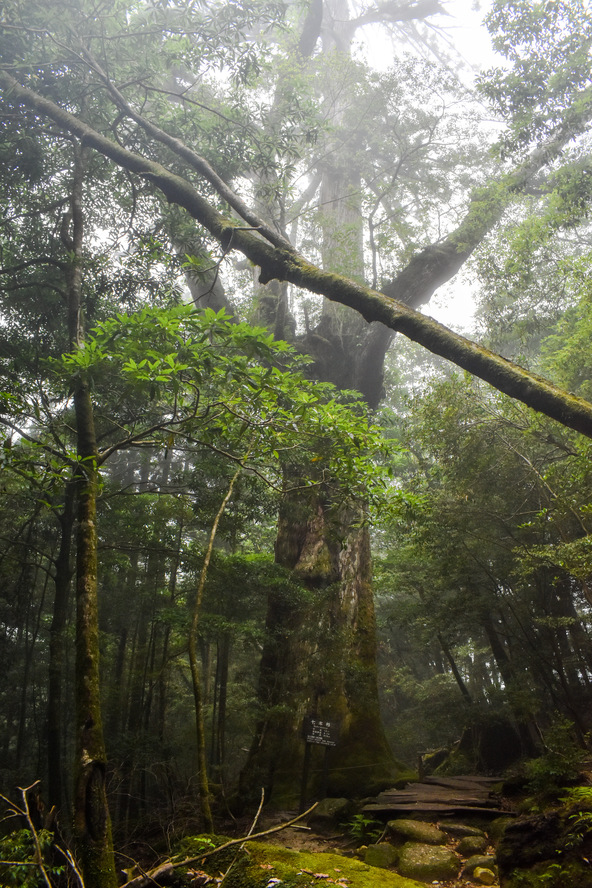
(320, 654)
(320, 660)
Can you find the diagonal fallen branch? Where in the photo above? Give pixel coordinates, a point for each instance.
(430, 268)
(166, 870)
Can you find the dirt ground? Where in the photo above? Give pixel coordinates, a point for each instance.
(302, 838)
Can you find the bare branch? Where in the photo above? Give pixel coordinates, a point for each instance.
(142, 881)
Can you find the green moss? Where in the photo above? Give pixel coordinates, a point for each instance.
(551, 875)
(191, 847)
(457, 763)
(260, 863)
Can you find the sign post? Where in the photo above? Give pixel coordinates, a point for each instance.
(316, 732)
(320, 731)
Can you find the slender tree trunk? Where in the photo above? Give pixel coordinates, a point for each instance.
(92, 823)
(202, 764)
(223, 665)
(62, 580)
(455, 670)
(164, 664)
(25, 581)
(30, 638)
(526, 728)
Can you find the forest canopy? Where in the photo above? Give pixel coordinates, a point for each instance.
(216, 217)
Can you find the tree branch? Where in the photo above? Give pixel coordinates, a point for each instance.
(194, 160)
(423, 274)
(146, 878)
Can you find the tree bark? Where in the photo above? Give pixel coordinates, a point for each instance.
(326, 663)
(92, 823)
(320, 660)
(62, 581)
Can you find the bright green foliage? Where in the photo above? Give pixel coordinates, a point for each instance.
(168, 376)
(18, 866)
(580, 820)
(365, 829)
(492, 514)
(565, 352)
(548, 44)
(487, 564)
(231, 388)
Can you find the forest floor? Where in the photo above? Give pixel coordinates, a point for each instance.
(305, 839)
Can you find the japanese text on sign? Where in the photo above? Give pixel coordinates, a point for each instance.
(320, 731)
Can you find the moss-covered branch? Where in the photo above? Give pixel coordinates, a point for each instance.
(429, 268)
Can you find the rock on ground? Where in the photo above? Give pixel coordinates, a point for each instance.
(416, 831)
(428, 863)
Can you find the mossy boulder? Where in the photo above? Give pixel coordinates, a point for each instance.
(460, 830)
(297, 869)
(382, 855)
(428, 863)
(416, 831)
(497, 828)
(547, 848)
(485, 861)
(531, 840)
(470, 845)
(483, 875)
(329, 813)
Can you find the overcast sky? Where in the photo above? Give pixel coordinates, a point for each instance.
(453, 304)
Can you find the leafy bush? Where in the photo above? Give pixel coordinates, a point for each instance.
(18, 859)
(365, 829)
(579, 800)
(559, 765)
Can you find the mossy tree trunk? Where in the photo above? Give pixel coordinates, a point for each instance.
(92, 823)
(320, 660)
(320, 655)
